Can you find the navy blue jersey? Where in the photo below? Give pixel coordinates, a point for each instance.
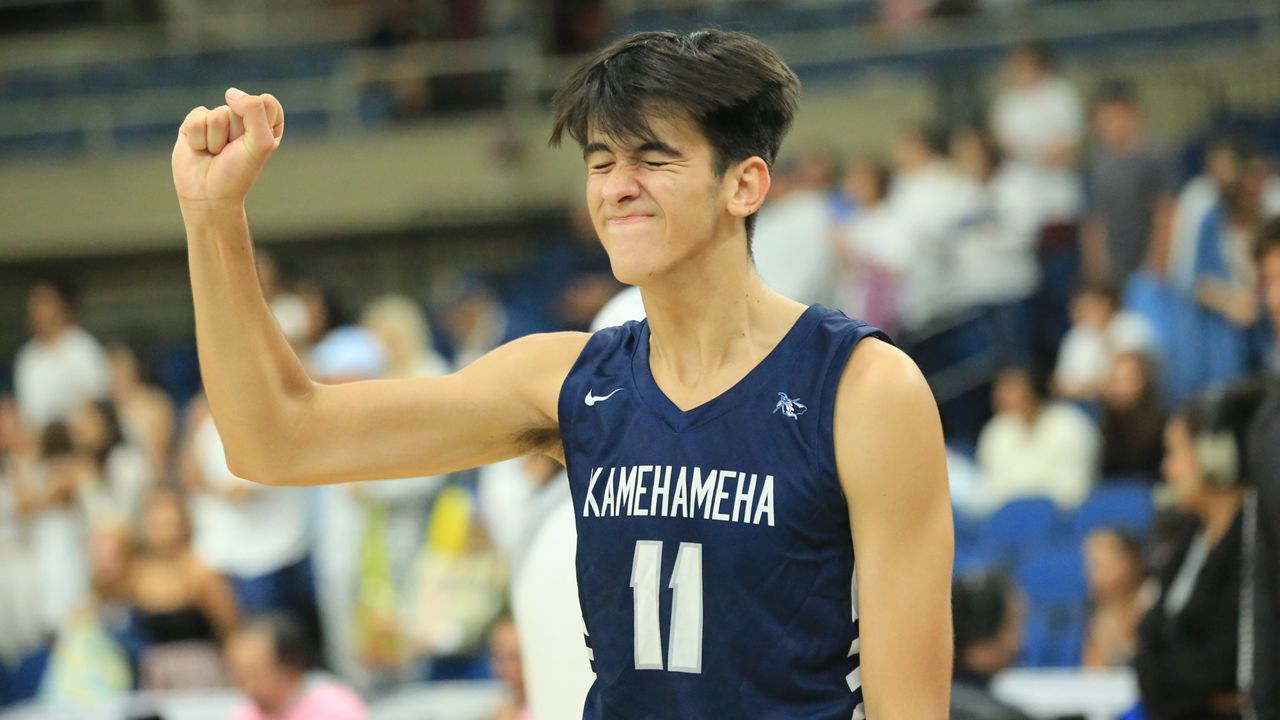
(715, 566)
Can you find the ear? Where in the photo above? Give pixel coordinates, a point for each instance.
(748, 183)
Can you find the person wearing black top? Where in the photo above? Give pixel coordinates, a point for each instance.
(1188, 640)
(987, 617)
(1260, 617)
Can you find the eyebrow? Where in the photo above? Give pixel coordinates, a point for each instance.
(656, 146)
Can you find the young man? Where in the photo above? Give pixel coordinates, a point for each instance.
(726, 457)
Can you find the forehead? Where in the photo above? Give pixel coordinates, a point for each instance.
(678, 131)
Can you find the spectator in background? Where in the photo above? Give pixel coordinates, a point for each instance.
(1132, 189)
(1133, 419)
(61, 367)
(20, 628)
(273, 572)
(112, 475)
(1187, 647)
(790, 245)
(1260, 674)
(183, 608)
(402, 328)
(474, 318)
(1038, 120)
(1266, 256)
(288, 308)
(872, 251)
(1217, 344)
(146, 413)
(1100, 330)
(1116, 576)
(928, 197)
(47, 503)
(995, 261)
(369, 533)
(268, 659)
(987, 612)
(504, 654)
(94, 659)
(570, 277)
(1223, 160)
(1035, 447)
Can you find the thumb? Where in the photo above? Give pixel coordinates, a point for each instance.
(258, 138)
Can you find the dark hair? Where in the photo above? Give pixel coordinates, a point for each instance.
(55, 440)
(1227, 409)
(1268, 240)
(979, 606)
(66, 290)
(1130, 543)
(738, 90)
(114, 433)
(1039, 52)
(291, 643)
(1039, 379)
(1116, 91)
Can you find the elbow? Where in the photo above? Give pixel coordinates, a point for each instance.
(257, 471)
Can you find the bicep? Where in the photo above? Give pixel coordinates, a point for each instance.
(900, 516)
(500, 406)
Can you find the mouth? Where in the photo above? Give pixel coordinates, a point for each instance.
(628, 219)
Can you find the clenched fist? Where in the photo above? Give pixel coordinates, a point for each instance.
(220, 152)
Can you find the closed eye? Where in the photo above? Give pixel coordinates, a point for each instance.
(655, 164)
(601, 166)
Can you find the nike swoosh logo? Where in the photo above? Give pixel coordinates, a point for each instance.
(593, 399)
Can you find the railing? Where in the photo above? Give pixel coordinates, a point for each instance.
(333, 97)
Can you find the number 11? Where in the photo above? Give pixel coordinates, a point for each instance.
(685, 644)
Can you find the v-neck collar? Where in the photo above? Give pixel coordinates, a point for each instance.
(679, 420)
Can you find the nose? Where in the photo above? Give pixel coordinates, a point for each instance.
(621, 185)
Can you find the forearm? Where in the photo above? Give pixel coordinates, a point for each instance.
(251, 375)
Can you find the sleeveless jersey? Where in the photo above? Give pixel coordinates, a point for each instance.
(714, 563)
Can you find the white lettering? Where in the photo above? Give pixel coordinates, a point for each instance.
(742, 500)
(766, 502)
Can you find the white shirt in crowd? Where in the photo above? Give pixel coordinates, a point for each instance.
(928, 204)
(250, 537)
(20, 607)
(52, 379)
(995, 259)
(127, 476)
(1086, 353)
(792, 248)
(1029, 122)
(58, 541)
(1056, 456)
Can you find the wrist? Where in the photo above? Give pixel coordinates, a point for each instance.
(203, 212)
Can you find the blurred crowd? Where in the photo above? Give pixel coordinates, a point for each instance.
(1069, 292)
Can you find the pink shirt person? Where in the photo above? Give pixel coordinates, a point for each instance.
(268, 659)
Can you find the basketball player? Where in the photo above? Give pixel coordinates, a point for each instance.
(729, 458)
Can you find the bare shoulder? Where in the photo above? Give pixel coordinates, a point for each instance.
(884, 406)
(879, 373)
(535, 365)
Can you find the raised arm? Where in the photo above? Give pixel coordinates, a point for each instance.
(277, 425)
(892, 466)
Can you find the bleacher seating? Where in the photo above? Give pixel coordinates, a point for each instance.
(1040, 546)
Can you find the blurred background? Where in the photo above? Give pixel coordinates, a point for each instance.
(1053, 205)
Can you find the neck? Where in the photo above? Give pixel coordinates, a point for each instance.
(711, 311)
(1217, 512)
(286, 700)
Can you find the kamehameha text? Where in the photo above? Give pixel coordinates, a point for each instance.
(679, 492)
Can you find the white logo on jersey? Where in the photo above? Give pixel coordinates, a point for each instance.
(593, 399)
(789, 406)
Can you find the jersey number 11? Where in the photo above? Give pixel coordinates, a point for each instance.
(685, 644)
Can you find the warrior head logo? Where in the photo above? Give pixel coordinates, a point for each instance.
(789, 407)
